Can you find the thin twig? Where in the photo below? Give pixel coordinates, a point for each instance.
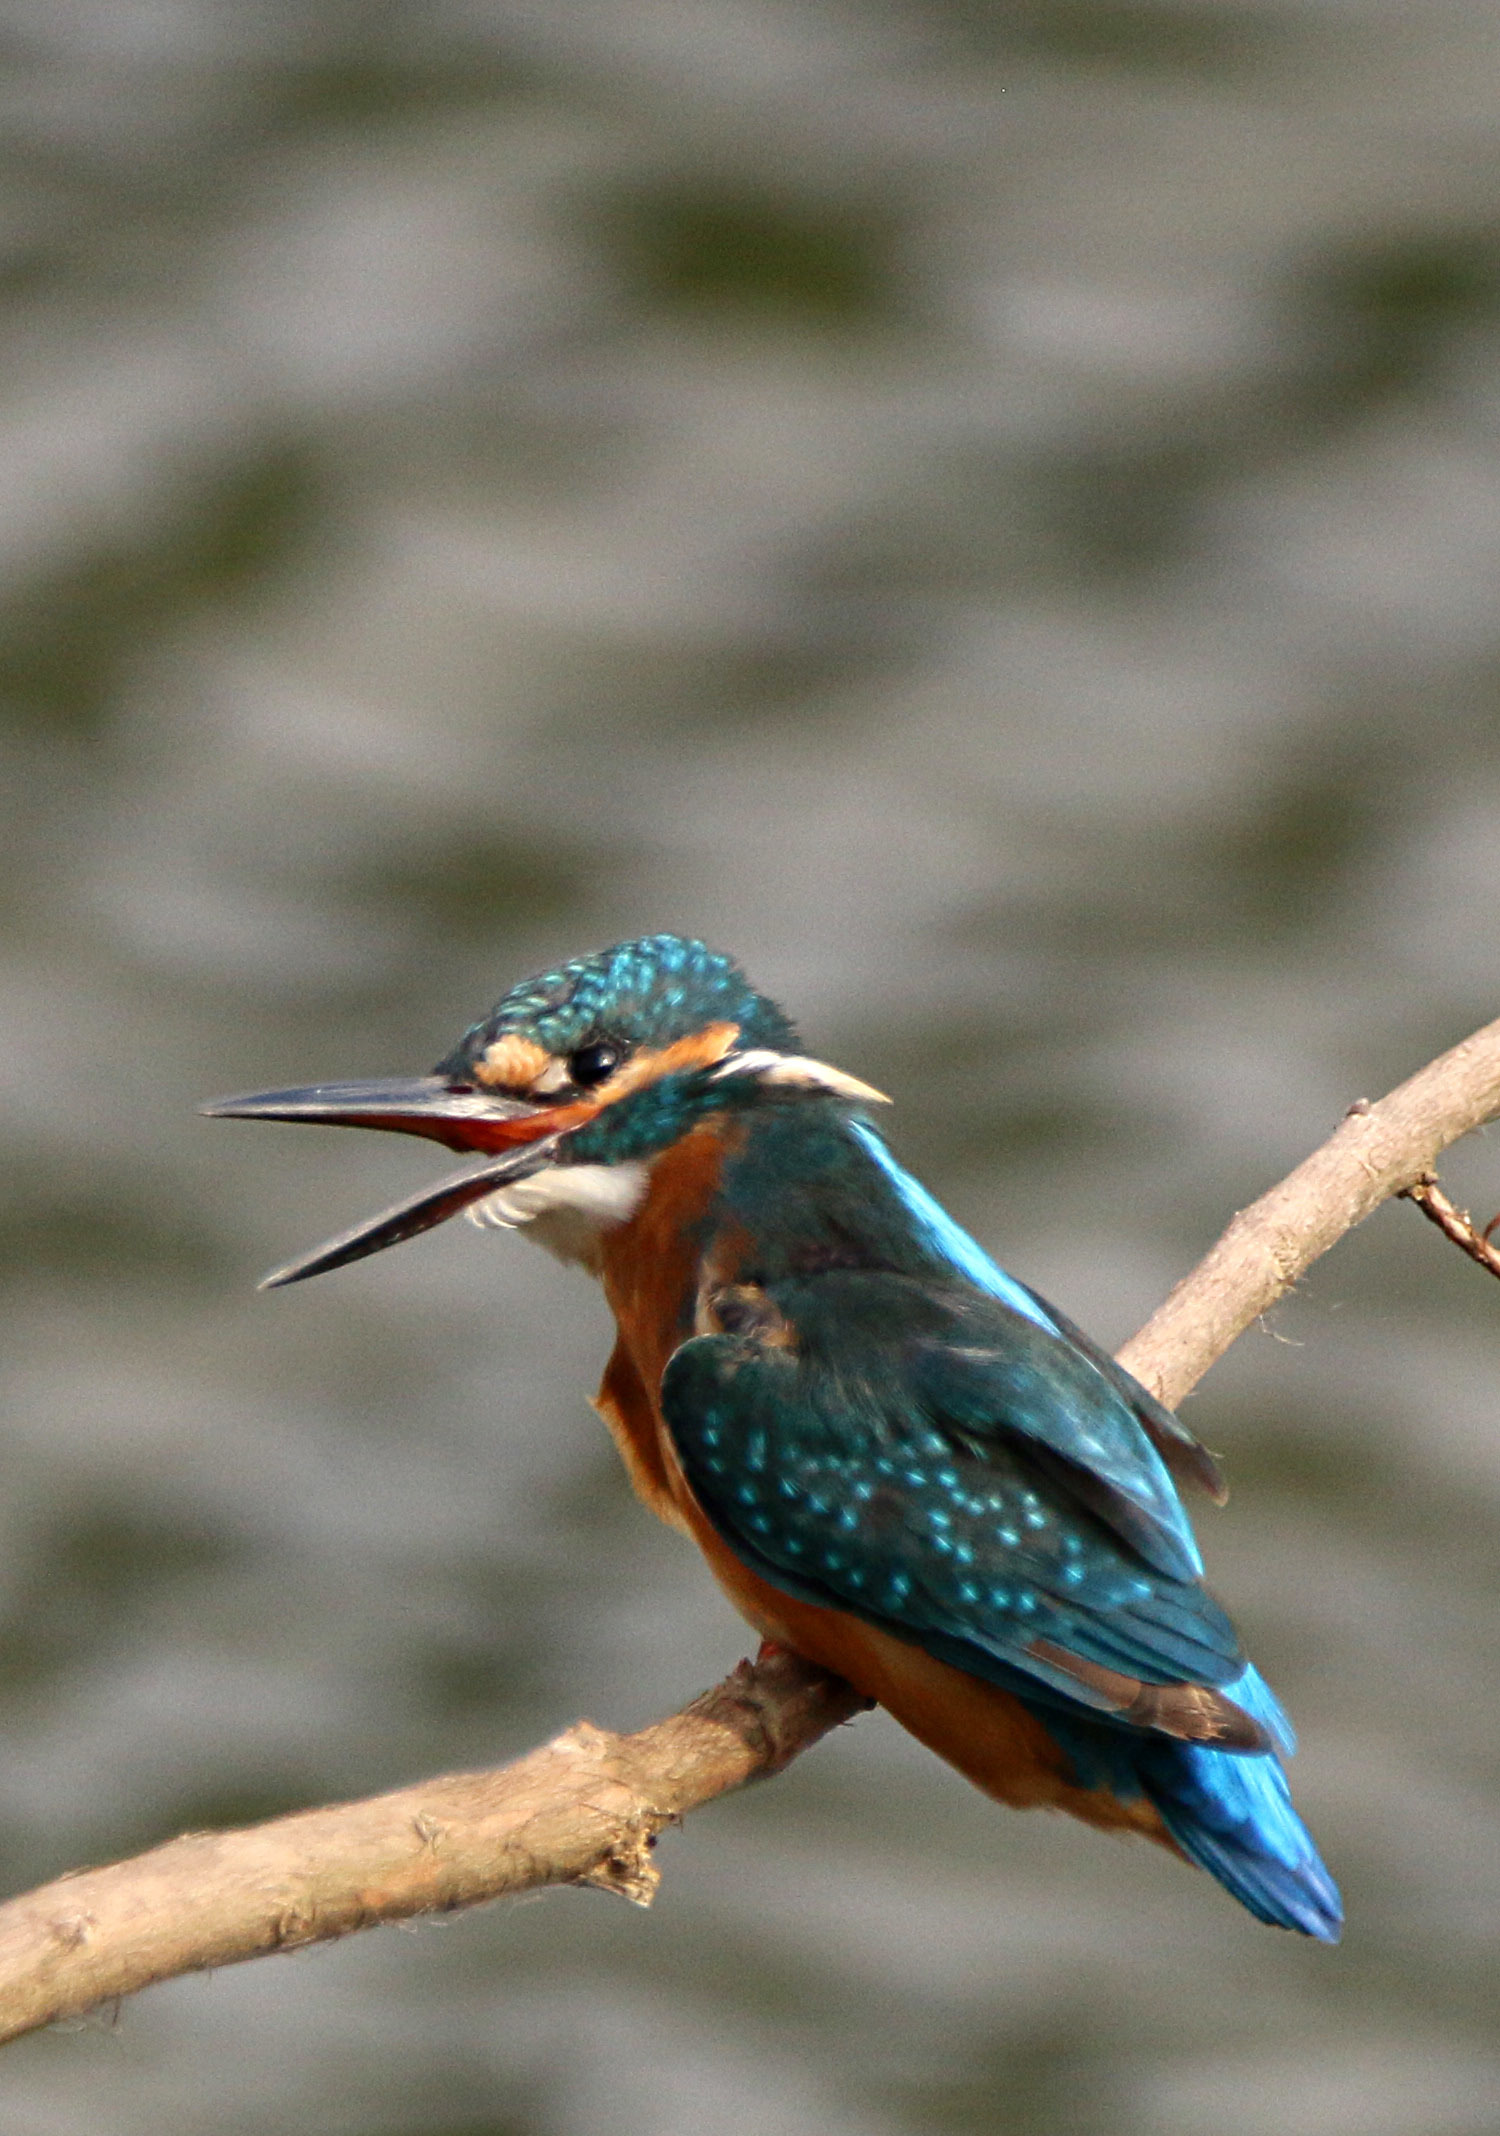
(586, 1808)
(1455, 1223)
(1378, 1151)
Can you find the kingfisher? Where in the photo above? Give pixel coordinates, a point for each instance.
(899, 1461)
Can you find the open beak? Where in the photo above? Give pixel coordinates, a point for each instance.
(519, 1137)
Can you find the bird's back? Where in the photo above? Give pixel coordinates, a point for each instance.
(902, 1464)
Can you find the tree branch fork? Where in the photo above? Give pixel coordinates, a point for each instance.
(586, 1808)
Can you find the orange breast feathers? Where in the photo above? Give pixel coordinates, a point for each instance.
(654, 1269)
(651, 1268)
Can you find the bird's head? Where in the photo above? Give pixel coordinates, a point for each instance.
(606, 1061)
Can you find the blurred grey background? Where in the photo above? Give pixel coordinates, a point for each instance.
(989, 511)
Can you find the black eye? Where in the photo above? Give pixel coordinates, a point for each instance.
(592, 1064)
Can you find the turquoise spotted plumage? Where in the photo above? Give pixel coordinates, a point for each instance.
(894, 1454)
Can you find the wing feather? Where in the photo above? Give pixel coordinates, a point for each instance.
(860, 1461)
(1134, 1444)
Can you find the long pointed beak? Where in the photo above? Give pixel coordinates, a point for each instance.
(519, 1136)
(453, 1113)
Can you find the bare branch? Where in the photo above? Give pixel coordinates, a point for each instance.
(586, 1807)
(1380, 1150)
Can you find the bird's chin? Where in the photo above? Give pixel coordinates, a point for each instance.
(567, 1209)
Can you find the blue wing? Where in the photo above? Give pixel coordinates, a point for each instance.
(853, 1460)
(944, 1467)
(1121, 1432)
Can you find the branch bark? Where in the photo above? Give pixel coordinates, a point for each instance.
(587, 1807)
(584, 1809)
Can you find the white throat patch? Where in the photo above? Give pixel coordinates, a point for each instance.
(568, 1207)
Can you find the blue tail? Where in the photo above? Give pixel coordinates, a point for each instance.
(1229, 1811)
(1233, 1815)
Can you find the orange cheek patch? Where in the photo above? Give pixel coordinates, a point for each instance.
(512, 1063)
(702, 1050)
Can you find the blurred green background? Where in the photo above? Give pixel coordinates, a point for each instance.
(991, 512)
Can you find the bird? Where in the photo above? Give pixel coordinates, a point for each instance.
(899, 1461)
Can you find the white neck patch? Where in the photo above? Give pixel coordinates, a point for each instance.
(567, 1208)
